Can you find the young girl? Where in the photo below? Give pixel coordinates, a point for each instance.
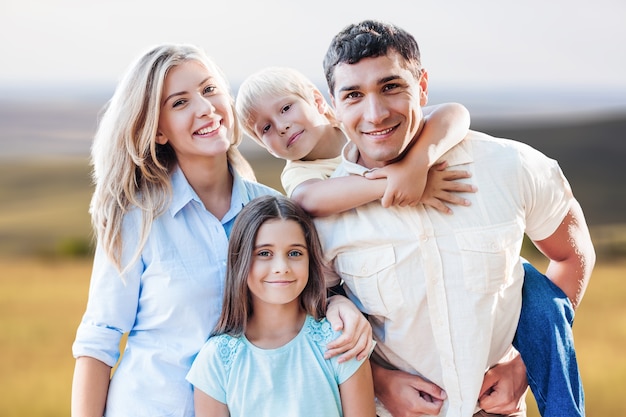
(284, 112)
(169, 184)
(266, 356)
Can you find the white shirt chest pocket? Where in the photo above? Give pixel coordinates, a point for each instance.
(489, 256)
(370, 275)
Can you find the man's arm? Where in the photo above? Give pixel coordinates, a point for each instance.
(572, 258)
(571, 254)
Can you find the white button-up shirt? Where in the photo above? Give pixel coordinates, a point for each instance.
(444, 291)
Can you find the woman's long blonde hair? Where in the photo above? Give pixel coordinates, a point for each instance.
(129, 168)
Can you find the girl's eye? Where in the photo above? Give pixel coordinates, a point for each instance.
(263, 253)
(295, 253)
(285, 108)
(265, 129)
(209, 89)
(178, 103)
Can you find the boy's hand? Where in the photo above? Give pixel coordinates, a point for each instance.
(405, 183)
(436, 189)
(443, 187)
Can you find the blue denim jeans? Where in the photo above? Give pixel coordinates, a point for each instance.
(545, 341)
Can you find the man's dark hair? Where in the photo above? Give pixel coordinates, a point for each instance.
(370, 39)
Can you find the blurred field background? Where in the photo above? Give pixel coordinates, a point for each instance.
(45, 245)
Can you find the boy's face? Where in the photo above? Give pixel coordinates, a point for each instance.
(289, 126)
(378, 101)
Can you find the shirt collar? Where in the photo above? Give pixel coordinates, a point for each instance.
(183, 193)
(458, 155)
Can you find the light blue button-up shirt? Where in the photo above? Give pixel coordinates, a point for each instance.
(168, 301)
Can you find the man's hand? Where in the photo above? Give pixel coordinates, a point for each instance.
(504, 388)
(356, 338)
(406, 395)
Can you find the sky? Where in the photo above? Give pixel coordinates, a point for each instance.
(532, 45)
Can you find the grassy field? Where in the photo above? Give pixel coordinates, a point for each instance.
(45, 235)
(41, 302)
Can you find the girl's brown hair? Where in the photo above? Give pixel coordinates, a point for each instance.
(237, 306)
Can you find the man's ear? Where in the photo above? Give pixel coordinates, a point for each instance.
(423, 82)
(161, 139)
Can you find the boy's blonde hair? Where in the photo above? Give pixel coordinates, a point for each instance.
(274, 81)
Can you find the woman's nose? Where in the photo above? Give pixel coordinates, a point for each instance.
(205, 107)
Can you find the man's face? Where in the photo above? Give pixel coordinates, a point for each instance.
(379, 101)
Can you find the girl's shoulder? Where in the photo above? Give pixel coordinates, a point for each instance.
(225, 347)
(321, 332)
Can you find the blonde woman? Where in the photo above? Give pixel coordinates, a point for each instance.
(169, 183)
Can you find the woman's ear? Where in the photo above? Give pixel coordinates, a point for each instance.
(161, 139)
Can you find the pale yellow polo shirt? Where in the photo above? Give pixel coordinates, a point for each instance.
(297, 172)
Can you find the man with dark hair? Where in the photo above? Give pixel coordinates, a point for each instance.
(444, 292)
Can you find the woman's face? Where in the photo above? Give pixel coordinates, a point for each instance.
(196, 116)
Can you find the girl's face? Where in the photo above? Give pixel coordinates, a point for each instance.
(196, 116)
(280, 263)
(289, 126)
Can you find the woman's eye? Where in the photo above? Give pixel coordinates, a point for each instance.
(178, 103)
(209, 89)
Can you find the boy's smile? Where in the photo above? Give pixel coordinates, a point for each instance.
(289, 126)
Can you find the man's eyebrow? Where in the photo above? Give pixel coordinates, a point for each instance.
(383, 80)
(348, 88)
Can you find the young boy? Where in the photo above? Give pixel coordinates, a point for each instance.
(284, 112)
